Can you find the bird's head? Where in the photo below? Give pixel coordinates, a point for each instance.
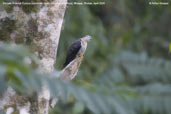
(86, 38)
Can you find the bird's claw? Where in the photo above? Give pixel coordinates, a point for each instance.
(81, 55)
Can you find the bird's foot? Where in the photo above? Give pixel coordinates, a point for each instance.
(81, 56)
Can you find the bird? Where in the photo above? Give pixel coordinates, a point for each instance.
(73, 60)
(77, 49)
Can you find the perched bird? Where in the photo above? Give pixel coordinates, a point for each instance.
(77, 48)
(72, 63)
(74, 58)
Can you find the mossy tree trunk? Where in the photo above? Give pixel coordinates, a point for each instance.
(38, 26)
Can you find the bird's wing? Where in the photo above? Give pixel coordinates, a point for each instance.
(72, 51)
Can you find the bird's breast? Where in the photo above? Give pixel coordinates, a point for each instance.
(83, 47)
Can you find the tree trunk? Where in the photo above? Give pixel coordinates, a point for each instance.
(41, 30)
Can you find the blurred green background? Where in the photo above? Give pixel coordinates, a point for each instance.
(126, 67)
(128, 56)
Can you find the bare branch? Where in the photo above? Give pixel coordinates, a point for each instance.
(70, 71)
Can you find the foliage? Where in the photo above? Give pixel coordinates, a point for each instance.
(108, 94)
(111, 79)
(144, 82)
(25, 80)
